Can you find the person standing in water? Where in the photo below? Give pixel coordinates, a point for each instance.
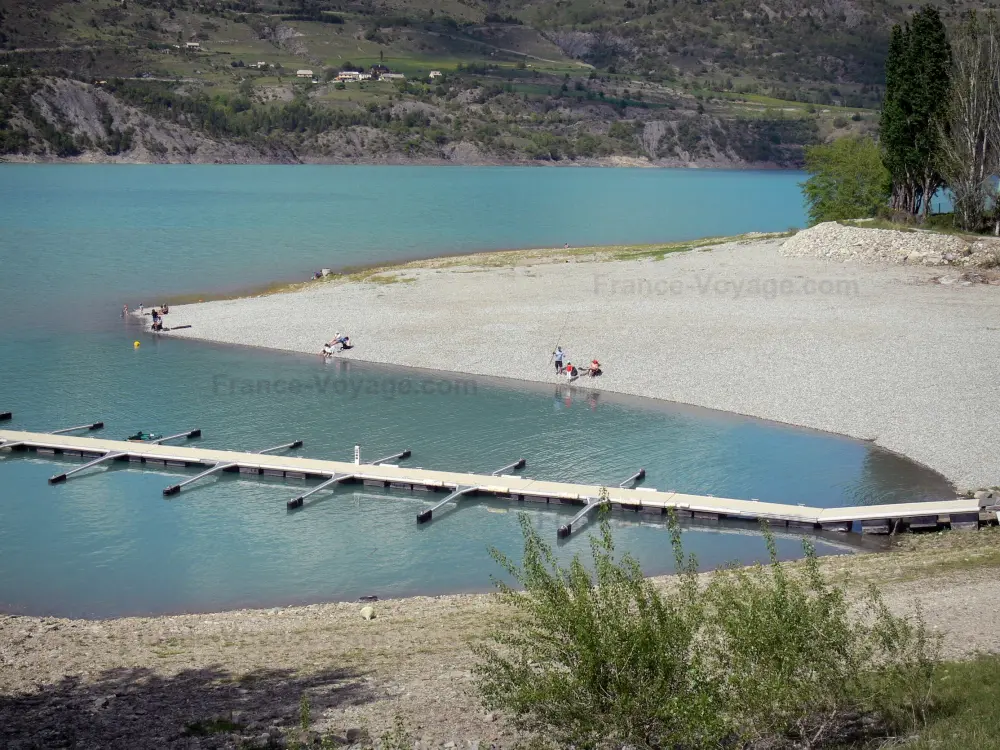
(559, 356)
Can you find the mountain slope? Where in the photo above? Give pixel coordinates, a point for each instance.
(710, 82)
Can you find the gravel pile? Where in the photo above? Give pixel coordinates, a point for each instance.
(875, 352)
(915, 247)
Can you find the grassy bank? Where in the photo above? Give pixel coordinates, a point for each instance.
(399, 272)
(967, 694)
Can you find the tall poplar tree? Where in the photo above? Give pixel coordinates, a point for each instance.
(916, 101)
(971, 135)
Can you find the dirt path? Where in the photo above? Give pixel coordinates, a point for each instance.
(143, 682)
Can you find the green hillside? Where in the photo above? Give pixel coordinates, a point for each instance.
(723, 82)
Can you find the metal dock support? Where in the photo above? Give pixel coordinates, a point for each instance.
(633, 480)
(93, 426)
(516, 466)
(189, 435)
(401, 456)
(225, 466)
(175, 488)
(566, 529)
(296, 502)
(106, 457)
(5, 415)
(426, 515)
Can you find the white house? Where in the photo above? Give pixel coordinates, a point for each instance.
(193, 45)
(434, 74)
(348, 75)
(261, 66)
(304, 73)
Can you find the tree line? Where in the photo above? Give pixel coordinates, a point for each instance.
(939, 129)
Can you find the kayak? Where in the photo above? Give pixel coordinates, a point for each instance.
(140, 436)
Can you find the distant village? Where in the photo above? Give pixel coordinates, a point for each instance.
(350, 74)
(375, 73)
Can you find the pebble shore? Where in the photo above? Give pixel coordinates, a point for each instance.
(236, 679)
(887, 352)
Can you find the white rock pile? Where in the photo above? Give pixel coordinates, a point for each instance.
(868, 245)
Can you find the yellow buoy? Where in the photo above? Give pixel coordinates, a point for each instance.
(135, 344)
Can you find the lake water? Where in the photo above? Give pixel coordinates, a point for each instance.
(76, 242)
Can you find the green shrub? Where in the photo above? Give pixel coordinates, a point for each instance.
(847, 180)
(608, 661)
(794, 659)
(600, 656)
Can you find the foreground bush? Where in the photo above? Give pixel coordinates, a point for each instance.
(601, 657)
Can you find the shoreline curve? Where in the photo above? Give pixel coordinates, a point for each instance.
(828, 362)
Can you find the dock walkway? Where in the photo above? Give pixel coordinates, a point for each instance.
(960, 513)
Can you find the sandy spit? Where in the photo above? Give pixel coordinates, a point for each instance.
(879, 353)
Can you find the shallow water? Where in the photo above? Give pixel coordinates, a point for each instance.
(75, 242)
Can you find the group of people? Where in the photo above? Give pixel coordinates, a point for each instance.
(338, 343)
(571, 371)
(158, 317)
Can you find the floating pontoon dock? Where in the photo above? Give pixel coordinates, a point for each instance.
(958, 514)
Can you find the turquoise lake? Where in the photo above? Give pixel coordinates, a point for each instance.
(77, 242)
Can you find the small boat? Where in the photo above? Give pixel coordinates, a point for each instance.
(141, 436)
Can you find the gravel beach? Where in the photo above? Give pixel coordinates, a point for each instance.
(902, 355)
(235, 679)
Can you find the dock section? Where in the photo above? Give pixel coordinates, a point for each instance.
(959, 513)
